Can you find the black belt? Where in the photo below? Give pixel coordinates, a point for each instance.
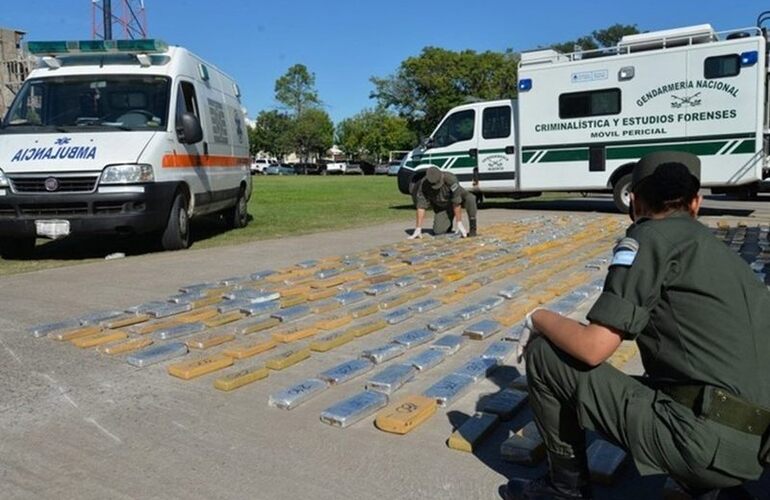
(721, 407)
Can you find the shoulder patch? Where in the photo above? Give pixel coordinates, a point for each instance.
(454, 187)
(625, 252)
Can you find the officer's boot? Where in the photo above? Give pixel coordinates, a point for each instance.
(566, 480)
(674, 490)
(472, 229)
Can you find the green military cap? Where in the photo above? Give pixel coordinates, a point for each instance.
(434, 177)
(649, 163)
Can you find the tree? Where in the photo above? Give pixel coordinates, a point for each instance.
(608, 37)
(312, 132)
(296, 89)
(271, 134)
(425, 87)
(373, 133)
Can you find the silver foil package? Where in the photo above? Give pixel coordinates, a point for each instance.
(449, 344)
(501, 351)
(390, 379)
(444, 323)
(178, 331)
(427, 359)
(482, 329)
(413, 338)
(448, 389)
(477, 368)
(157, 354)
(384, 353)
(347, 370)
(291, 397)
(398, 315)
(425, 305)
(355, 408)
(292, 313)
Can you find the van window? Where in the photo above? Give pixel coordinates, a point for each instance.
(722, 66)
(591, 103)
(457, 127)
(496, 122)
(186, 101)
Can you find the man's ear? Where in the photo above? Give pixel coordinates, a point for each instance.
(631, 207)
(695, 204)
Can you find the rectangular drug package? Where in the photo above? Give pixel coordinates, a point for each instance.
(444, 323)
(355, 408)
(425, 305)
(415, 337)
(450, 344)
(482, 329)
(449, 389)
(427, 359)
(384, 353)
(291, 397)
(178, 331)
(390, 379)
(477, 368)
(156, 354)
(345, 371)
(500, 350)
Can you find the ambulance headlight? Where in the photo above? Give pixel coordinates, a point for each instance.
(127, 174)
(3, 180)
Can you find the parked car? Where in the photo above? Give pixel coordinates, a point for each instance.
(258, 165)
(354, 168)
(334, 167)
(307, 168)
(393, 167)
(381, 168)
(280, 170)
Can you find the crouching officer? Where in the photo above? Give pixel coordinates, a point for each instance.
(442, 192)
(701, 320)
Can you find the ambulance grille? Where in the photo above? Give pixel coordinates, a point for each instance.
(64, 184)
(38, 210)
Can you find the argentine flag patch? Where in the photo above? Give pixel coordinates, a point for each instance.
(625, 252)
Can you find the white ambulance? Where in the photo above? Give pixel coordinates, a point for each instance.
(129, 136)
(581, 120)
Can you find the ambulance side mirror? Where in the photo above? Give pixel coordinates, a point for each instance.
(427, 142)
(188, 129)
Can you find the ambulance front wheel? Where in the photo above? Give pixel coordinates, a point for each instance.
(176, 236)
(621, 193)
(238, 216)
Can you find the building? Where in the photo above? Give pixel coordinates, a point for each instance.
(15, 65)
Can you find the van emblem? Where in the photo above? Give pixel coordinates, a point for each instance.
(61, 141)
(51, 184)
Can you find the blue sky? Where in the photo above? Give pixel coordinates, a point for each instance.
(344, 42)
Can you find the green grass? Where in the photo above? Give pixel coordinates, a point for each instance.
(279, 206)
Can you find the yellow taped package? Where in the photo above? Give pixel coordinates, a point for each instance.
(322, 293)
(147, 328)
(331, 341)
(126, 320)
(291, 301)
(223, 319)
(394, 301)
(259, 326)
(380, 278)
(472, 431)
(197, 315)
(330, 282)
(247, 349)
(209, 340)
(468, 288)
(125, 347)
(208, 301)
(333, 322)
(326, 306)
(240, 378)
(544, 297)
(417, 293)
(74, 333)
(292, 291)
(368, 327)
(453, 276)
(288, 358)
(405, 414)
(293, 334)
(217, 292)
(187, 370)
(98, 339)
(451, 297)
(365, 311)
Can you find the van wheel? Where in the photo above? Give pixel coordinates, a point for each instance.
(238, 216)
(176, 236)
(17, 248)
(621, 194)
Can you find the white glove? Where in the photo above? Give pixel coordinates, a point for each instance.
(528, 333)
(461, 229)
(417, 233)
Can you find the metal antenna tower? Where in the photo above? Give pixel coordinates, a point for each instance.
(129, 18)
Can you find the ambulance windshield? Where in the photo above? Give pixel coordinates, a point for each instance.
(88, 102)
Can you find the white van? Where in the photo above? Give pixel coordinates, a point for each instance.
(128, 137)
(582, 120)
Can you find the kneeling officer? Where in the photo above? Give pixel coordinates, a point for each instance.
(442, 192)
(701, 320)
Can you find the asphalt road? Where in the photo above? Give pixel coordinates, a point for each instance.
(78, 425)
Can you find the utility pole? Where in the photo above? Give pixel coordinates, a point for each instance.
(107, 11)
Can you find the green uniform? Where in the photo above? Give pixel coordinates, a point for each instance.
(442, 201)
(699, 317)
